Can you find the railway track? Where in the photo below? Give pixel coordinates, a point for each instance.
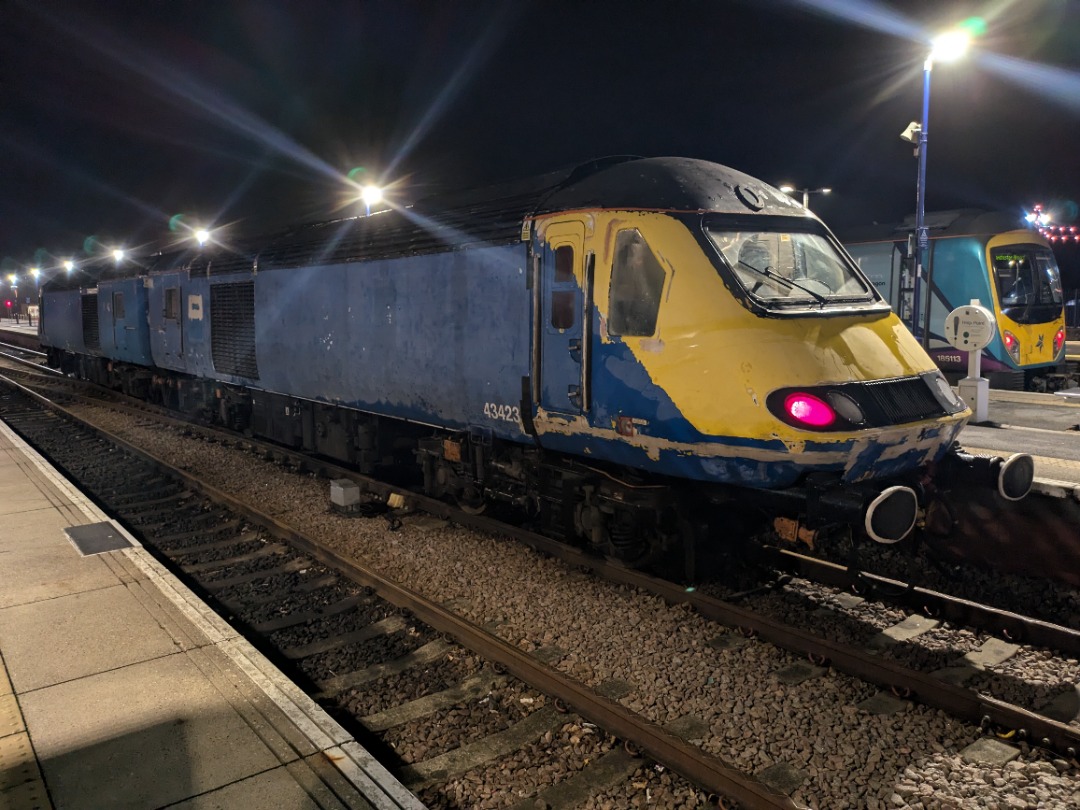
(997, 715)
(355, 638)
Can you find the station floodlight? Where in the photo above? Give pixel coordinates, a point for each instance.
(69, 265)
(371, 195)
(118, 254)
(202, 236)
(35, 272)
(950, 46)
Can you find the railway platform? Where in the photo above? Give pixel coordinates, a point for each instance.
(120, 688)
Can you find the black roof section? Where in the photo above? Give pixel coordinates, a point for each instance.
(492, 215)
(958, 222)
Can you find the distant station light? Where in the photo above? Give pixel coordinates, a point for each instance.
(788, 188)
(35, 272)
(1038, 216)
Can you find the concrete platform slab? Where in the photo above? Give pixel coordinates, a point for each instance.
(15, 498)
(38, 573)
(276, 788)
(25, 528)
(84, 637)
(145, 735)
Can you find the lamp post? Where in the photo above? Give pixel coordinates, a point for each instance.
(945, 48)
(806, 192)
(14, 279)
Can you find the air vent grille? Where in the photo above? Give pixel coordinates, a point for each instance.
(91, 336)
(232, 329)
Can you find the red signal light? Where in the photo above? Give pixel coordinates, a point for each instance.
(809, 410)
(7, 304)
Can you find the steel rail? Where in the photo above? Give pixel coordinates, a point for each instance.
(4, 345)
(34, 365)
(1011, 626)
(692, 762)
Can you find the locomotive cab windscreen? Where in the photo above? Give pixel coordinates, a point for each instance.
(1028, 283)
(786, 265)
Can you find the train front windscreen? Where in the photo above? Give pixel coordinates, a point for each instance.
(1028, 283)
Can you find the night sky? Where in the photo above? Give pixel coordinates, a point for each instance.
(116, 116)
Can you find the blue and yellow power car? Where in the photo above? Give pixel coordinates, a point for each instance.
(632, 352)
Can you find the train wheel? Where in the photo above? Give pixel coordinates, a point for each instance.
(471, 501)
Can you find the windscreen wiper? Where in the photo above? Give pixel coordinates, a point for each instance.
(769, 273)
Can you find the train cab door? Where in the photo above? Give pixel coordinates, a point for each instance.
(172, 324)
(564, 308)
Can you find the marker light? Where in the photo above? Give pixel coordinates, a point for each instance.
(1012, 345)
(1059, 340)
(809, 410)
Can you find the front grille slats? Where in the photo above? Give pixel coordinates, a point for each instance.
(893, 402)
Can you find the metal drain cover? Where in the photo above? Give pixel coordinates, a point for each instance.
(96, 538)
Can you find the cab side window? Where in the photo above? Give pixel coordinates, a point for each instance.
(562, 300)
(637, 280)
(172, 303)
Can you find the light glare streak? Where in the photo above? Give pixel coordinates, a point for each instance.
(868, 14)
(1057, 84)
(186, 92)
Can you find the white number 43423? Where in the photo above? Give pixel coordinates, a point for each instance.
(504, 413)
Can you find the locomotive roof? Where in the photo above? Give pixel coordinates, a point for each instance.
(491, 215)
(958, 222)
(495, 214)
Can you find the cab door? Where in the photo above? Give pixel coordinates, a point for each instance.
(564, 308)
(172, 323)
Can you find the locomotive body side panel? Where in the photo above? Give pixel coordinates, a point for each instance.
(439, 338)
(959, 276)
(61, 327)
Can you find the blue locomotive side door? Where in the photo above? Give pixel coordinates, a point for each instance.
(562, 312)
(172, 324)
